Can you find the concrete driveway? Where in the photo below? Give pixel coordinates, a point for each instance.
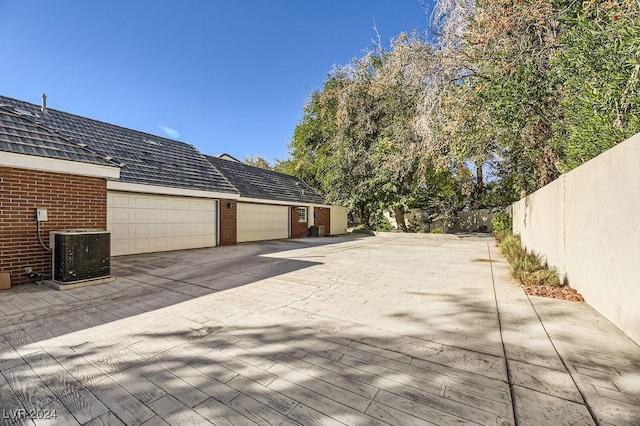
(368, 331)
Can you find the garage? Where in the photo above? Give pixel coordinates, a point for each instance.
(146, 223)
(258, 222)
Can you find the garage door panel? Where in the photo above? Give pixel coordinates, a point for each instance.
(257, 222)
(120, 200)
(119, 231)
(118, 216)
(161, 230)
(145, 223)
(143, 202)
(141, 230)
(162, 203)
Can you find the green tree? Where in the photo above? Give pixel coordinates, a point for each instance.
(356, 138)
(598, 69)
(257, 161)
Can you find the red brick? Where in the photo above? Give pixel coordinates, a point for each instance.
(298, 229)
(72, 202)
(322, 217)
(228, 222)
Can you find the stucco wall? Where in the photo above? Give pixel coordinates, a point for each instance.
(338, 220)
(538, 219)
(474, 221)
(587, 223)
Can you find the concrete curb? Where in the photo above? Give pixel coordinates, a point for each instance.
(416, 236)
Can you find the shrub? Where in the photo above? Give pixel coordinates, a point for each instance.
(382, 224)
(546, 276)
(501, 235)
(526, 267)
(437, 230)
(501, 222)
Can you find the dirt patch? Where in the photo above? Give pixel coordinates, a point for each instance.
(563, 292)
(483, 260)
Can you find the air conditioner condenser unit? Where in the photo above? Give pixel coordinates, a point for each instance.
(80, 256)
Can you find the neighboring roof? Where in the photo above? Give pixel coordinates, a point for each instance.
(20, 134)
(254, 182)
(226, 156)
(147, 159)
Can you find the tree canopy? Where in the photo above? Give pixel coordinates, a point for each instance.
(508, 96)
(257, 161)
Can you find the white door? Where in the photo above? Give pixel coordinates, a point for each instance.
(258, 222)
(145, 223)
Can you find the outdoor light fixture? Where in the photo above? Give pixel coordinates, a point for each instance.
(228, 205)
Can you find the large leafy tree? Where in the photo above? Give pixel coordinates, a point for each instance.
(510, 45)
(598, 70)
(540, 85)
(356, 139)
(524, 89)
(258, 161)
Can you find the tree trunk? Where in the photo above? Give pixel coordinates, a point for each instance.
(365, 217)
(547, 166)
(479, 180)
(399, 213)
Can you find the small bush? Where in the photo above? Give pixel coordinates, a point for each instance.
(501, 222)
(510, 246)
(526, 267)
(501, 235)
(543, 277)
(382, 224)
(437, 230)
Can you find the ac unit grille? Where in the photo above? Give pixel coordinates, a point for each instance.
(81, 255)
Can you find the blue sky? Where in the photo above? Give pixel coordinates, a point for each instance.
(229, 76)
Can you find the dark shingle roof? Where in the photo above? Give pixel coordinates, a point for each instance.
(254, 182)
(148, 159)
(20, 134)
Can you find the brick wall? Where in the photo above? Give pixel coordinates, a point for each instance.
(323, 218)
(298, 229)
(228, 222)
(71, 202)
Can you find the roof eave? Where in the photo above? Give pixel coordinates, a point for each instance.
(55, 165)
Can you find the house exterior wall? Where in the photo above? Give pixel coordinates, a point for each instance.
(338, 220)
(323, 218)
(71, 202)
(298, 229)
(228, 222)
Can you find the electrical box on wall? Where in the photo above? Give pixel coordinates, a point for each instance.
(41, 215)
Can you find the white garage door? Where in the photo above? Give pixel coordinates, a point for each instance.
(258, 222)
(143, 223)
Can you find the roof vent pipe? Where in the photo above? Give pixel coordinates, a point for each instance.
(44, 103)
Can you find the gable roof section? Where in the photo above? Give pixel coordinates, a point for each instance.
(20, 134)
(144, 158)
(226, 156)
(254, 182)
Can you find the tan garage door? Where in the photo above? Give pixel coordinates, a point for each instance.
(258, 222)
(144, 223)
